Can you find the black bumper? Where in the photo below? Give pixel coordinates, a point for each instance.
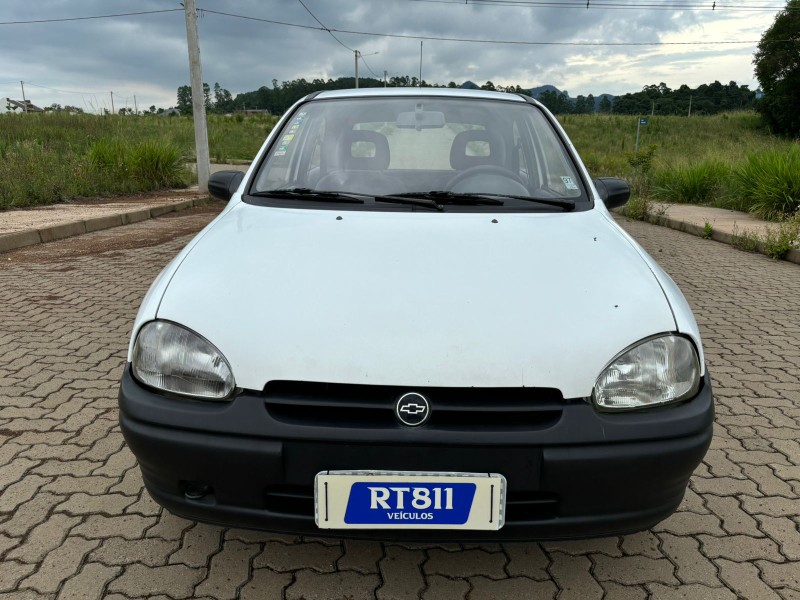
(588, 474)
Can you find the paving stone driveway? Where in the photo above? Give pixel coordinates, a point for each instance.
(76, 523)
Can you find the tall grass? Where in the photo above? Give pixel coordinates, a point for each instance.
(727, 160)
(769, 182)
(142, 164)
(699, 183)
(54, 157)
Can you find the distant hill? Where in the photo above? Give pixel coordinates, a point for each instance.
(535, 92)
(599, 99)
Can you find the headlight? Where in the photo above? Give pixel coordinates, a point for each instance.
(171, 358)
(655, 372)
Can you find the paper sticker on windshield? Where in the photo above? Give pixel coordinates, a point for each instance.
(568, 183)
(287, 138)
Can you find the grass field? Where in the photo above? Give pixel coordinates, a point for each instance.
(47, 158)
(726, 160)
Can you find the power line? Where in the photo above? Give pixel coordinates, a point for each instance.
(712, 6)
(272, 21)
(368, 67)
(62, 20)
(479, 41)
(44, 87)
(308, 10)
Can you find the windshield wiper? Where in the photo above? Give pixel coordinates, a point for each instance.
(565, 203)
(309, 194)
(413, 200)
(447, 197)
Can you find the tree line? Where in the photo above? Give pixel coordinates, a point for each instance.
(706, 99)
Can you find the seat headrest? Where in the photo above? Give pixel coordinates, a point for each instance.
(363, 150)
(462, 157)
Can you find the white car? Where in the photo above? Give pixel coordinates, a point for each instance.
(416, 318)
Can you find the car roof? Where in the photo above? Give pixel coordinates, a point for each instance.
(419, 91)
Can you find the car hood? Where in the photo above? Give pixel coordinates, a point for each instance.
(417, 298)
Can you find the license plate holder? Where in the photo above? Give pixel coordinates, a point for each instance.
(409, 500)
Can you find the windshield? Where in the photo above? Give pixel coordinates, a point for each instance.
(406, 146)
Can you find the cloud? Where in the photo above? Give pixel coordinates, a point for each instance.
(146, 55)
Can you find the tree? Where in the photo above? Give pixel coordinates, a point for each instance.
(777, 66)
(207, 96)
(185, 100)
(558, 104)
(605, 105)
(223, 101)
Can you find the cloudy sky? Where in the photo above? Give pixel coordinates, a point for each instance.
(80, 62)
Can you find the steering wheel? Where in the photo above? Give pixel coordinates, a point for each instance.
(494, 179)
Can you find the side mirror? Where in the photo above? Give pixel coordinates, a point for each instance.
(223, 184)
(613, 191)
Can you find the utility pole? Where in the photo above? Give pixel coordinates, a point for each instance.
(135, 106)
(385, 78)
(355, 53)
(112, 102)
(24, 102)
(690, 106)
(419, 84)
(198, 98)
(653, 108)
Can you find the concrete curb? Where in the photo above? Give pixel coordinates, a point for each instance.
(792, 256)
(31, 237)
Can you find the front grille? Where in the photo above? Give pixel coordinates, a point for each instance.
(531, 506)
(290, 500)
(372, 406)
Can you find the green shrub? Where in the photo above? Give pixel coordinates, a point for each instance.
(699, 183)
(637, 208)
(778, 242)
(642, 162)
(769, 183)
(159, 164)
(746, 240)
(110, 155)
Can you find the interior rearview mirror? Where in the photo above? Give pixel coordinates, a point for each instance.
(420, 119)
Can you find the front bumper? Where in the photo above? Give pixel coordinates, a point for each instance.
(587, 474)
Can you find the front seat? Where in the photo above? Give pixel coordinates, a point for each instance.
(362, 159)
